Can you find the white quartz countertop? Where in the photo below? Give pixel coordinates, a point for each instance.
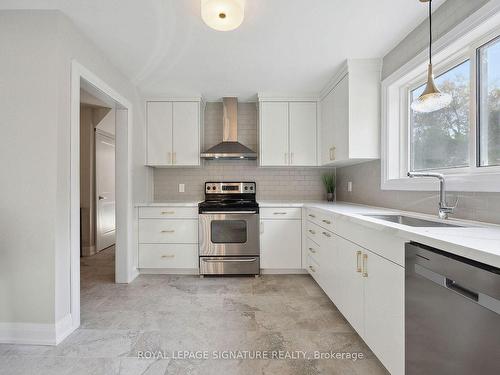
(473, 240)
(169, 204)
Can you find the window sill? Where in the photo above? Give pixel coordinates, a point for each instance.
(467, 182)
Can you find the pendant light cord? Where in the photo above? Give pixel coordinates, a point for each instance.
(430, 32)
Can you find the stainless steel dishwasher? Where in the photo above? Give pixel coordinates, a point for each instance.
(452, 314)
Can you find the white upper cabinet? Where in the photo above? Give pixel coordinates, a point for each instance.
(303, 133)
(288, 133)
(159, 133)
(173, 133)
(186, 142)
(350, 114)
(273, 133)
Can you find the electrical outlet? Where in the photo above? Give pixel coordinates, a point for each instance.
(182, 188)
(349, 186)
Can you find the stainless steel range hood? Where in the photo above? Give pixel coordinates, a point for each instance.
(229, 148)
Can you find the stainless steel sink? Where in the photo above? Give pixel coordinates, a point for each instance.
(413, 221)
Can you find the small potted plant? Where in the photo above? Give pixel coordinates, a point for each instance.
(329, 182)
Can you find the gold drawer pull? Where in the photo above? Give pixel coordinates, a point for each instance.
(311, 231)
(168, 256)
(358, 261)
(311, 215)
(365, 265)
(326, 221)
(312, 268)
(326, 234)
(312, 250)
(168, 212)
(168, 231)
(279, 213)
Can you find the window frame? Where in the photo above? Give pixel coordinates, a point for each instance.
(457, 46)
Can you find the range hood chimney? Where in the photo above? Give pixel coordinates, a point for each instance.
(229, 148)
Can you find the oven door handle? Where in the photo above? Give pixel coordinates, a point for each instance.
(229, 260)
(227, 212)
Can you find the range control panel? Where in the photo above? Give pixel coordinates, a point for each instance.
(230, 187)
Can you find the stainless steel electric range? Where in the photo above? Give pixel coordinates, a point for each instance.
(229, 229)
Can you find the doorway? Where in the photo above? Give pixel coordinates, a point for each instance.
(125, 270)
(97, 172)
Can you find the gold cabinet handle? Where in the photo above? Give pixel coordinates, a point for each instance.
(173, 158)
(168, 231)
(327, 234)
(332, 153)
(312, 268)
(311, 231)
(312, 250)
(168, 256)
(358, 261)
(279, 213)
(365, 265)
(326, 222)
(168, 212)
(311, 215)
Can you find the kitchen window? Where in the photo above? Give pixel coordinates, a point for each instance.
(489, 103)
(462, 140)
(440, 139)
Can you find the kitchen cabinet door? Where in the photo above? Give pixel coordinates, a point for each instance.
(274, 134)
(350, 294)
(281, 244)
(186, 133)
(327, 129)
(384, 311)
(303, 136)
(159, 133)
(340, 146)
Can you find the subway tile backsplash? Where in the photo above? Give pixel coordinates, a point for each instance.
(272, 183)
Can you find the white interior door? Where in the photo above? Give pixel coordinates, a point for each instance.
(105, 190)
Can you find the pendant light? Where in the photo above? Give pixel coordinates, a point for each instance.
(223, 15)
(431, 99)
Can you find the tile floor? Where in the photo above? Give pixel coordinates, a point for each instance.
(166, 314)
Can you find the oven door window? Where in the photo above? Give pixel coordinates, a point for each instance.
(228, 231)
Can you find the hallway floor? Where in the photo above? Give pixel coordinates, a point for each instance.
(162, 315)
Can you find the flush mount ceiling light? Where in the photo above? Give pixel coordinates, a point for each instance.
(223, 15)
(431, 99)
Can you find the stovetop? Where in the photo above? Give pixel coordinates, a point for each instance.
(229, 196)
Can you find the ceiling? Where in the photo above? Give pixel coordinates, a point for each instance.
(283, 46)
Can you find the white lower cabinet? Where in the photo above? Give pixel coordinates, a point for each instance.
(281, 244)
(384, 311)
(168, 256)
(367, 288)
(168, 239)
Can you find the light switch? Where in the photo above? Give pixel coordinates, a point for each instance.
(349, 186)
(181, 188)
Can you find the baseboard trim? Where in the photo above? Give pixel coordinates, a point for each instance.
(36, 333)
(279, 271)
(169, 271)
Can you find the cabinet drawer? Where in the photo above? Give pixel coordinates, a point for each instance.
(313, 250)
(168, 256)
(168, 231)
(168, 212)
(322, 219)
(281, 213)
(314, 269)
(314, 232)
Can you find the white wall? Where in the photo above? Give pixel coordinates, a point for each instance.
(35, 68)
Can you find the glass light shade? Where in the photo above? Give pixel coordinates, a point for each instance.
(431, 99)
(223, 15)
